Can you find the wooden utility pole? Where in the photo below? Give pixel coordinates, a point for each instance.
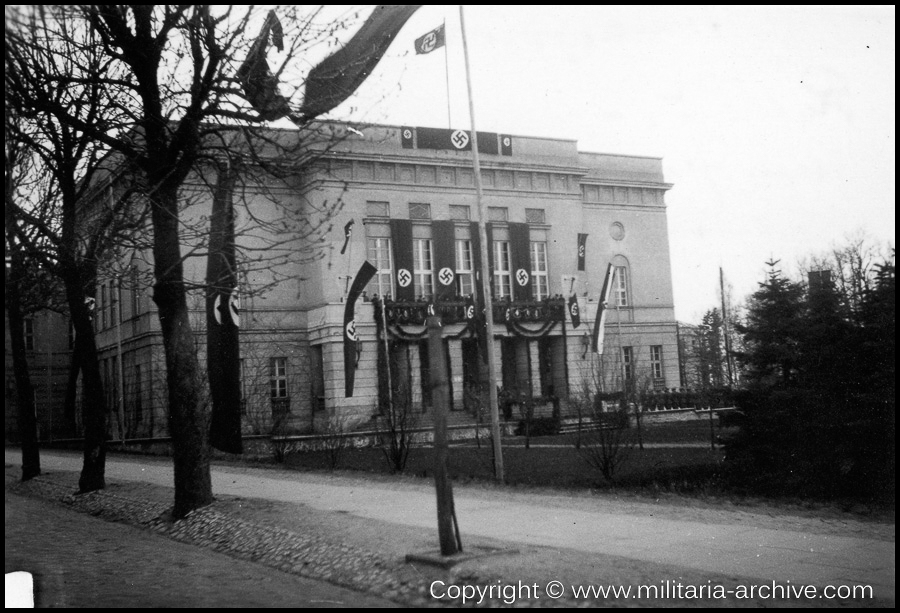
(448, 528)
(485, 271)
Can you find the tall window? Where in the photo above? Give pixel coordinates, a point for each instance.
(502, 276)
(539, 283)
(137, 397)
(465, 284)
(380, 257)
(317, 364)
(278, 378)
(242, 366)
(102, 306)
(620, 286)
(115, 308)
(656, 361)
(28, 325)
(628, 363)
(135, 293)
(422, 268)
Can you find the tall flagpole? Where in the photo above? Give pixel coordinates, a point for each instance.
(447, 76)
(485, 269)
(725, 329)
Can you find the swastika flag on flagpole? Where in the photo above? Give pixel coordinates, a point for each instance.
(431, 41)
(602, 303)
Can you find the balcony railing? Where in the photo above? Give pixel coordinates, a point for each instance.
(458, 310)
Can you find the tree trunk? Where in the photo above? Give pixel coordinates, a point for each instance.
(188, 411)
(94, 409)
(31, 461)
(70, 401)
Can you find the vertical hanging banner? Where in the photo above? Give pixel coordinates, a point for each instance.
(402, 246)
(574, 311)
(520, 259)
(406, 137)
(603, 303)
(348, 232)
(443, 235)
(336, 77)
(365, 274)
(582, 250)
(222, 320)
(506, 144)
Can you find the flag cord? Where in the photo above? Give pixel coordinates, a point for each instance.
(447, 78)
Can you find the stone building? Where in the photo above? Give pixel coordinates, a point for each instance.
(48, 351)
(408, 198)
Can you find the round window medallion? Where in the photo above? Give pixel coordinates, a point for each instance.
(617, 231)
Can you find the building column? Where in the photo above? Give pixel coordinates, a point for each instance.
(415, 371)
(535, 363)
(558, 366)
(456, 372)
(523, 366)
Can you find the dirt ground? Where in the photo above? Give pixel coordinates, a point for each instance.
(531, 564)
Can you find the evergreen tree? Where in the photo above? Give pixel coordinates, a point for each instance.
(772, 330)
(828, 347)
(877, 330)
(711, 351)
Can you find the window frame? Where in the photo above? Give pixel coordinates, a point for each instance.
(628, 363)
(28, 332)
(656, 362)
(423, 271)
(502, 270)
(102, 308)
(420, 211)
(540, 279)
(620, 287)
(278, 383)
(465, 275)
(384, 277)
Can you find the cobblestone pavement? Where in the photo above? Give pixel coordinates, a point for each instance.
(325, 527)
(78, 561)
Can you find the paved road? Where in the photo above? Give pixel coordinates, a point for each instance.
(79, 561)
(737, 550)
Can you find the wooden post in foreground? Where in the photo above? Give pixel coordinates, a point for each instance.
(448, 530)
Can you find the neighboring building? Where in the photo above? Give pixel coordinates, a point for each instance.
(410, 193)
(48, 350)
(690, 369)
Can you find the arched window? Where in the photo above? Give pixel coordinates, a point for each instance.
(620, 296)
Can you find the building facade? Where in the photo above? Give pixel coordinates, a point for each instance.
(404, 199)
(48, 351)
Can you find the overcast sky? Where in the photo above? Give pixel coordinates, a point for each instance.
(776, 125)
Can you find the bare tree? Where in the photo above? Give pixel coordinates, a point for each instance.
(15, 279)
(399, 421)
(50, 61)
(178, 91)
(609, 444)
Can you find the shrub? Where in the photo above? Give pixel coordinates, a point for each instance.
(539, 426)
(799, 443)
